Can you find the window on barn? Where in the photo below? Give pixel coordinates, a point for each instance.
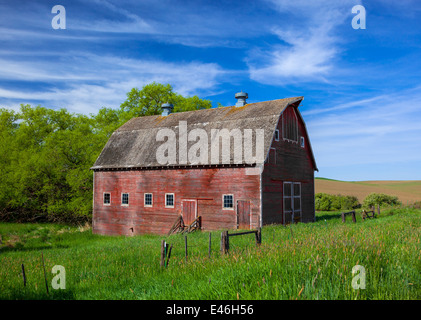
(302, 142)
(276, 135)
(148, 199)
(290, 125)
(169, 200)
(124, 199)
(228, 201)
(107, 198)
(272, 156)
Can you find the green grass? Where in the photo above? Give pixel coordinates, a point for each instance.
(301, 261)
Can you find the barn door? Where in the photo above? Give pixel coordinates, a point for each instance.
(243, 214)
(189, 211)
(292, 202)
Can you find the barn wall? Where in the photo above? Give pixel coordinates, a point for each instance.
(209, 183)
(293, 164)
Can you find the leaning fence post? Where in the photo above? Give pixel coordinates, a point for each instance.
(24, 276)
(169, 255)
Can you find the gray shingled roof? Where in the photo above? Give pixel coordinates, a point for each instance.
(134, 144)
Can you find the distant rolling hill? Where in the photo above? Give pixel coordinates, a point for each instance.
(408, 191)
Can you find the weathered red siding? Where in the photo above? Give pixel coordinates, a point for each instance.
(288, 162)
(206, 185)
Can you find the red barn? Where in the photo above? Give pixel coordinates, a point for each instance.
(237, 167)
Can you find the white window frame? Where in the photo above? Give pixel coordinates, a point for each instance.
(302, 142)
(173, 198)
(128, 201)
(144, 200)
(223, 202)
(103, 198)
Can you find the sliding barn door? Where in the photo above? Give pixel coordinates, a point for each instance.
(292, 202)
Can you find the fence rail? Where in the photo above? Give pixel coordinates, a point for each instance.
(225, 238)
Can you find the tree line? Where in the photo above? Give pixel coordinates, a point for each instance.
(46, 154)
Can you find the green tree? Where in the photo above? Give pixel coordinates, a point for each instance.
(149, 99)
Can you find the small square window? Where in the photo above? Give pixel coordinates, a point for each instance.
(148, 199)
(228, 201)
(169, 200)
(107, 198)
(125, 199)
(276, 135)
(302, 142)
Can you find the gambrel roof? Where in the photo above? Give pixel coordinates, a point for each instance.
(134, 144)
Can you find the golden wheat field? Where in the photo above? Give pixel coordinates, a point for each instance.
(408, 191)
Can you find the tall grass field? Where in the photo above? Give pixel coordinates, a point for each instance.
(299, 261)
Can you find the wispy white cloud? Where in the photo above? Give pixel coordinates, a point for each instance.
(85, 82)
(382, 129)
(306, 50)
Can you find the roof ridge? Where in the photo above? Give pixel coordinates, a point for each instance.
(231, 109)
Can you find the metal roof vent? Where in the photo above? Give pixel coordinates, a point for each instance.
(166, 109)
(241, 99)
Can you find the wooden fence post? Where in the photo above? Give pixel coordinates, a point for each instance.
(169, 255)
(224, 242)
(343, 217)
(378, 209)
(185, 246)
(227, 241)
(24, 276)
(163, 246)
(259, 236)
(354, 219)
(210, 242)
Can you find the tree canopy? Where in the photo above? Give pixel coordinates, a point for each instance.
(148, 101)
(46, 154)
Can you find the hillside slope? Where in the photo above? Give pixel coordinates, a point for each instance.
(407, 191)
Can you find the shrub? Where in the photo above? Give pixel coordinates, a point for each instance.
(417, 205)
(323, 201)
(349, 202)
(327, 202)
(374, 199)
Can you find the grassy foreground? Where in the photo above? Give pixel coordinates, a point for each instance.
(302, 261)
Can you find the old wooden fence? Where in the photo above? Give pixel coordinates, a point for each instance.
(166, 248)
(225, 236)
(364, 214)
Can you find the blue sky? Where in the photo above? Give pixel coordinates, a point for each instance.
(361, 87)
